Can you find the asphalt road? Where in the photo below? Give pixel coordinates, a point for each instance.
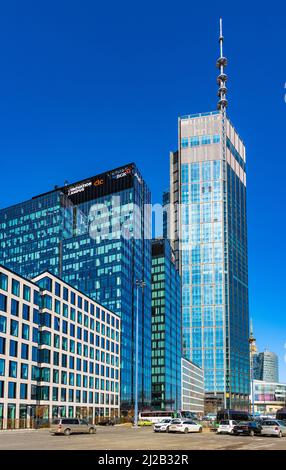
(126, 438)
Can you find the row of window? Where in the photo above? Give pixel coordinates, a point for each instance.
(16, 287)
(45, 374)
(46, 356)
(47, 282)
(195, 141)
(47, 393)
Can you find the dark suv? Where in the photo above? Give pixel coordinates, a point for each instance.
(69, 426)
(249, 428)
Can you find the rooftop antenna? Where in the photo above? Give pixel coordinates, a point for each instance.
(222, 78)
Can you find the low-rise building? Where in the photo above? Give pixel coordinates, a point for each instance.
(268, 396)
(59, 352)
(192, 387)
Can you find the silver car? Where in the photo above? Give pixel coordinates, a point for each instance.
(162, 426)
(69, 426)
(273, 428)
(185, 426)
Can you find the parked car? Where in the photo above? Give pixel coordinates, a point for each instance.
(144, 422)
(210, 417)
(185, 426)
(69, 426)
(162, 426)
(249, 428)
(226, 426)
(274, 428)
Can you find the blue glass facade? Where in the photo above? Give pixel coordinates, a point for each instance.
(166, 328)
(96, 236)
(202, 270)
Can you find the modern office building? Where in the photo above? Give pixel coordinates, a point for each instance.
(209, 236)
(59, 352)
(268, 396)
(95, 235)
(166, 328)
(166, 205)
(265, 367)
(193, 391)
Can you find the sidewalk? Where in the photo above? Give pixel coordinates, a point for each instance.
(16, 431)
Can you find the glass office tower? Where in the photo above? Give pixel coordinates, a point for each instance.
(166, 328)
(265, 365)
(95, 235)
(209, 229)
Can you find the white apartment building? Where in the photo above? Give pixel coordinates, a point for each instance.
(59, 352)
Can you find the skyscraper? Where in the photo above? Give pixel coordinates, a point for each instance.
(209, 231)
(95, 235)
(166, 328)
(265, 365)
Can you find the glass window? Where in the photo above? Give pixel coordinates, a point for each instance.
(194, 141)
(206, 139)
(184, 142)
(23, 391)
(15, 307)
(16, 288)
(11, 389)
(206, 171)
(3, 303)
(25, 351)
(2, 345)
(14, 328)
(26, 312)
(47, 302)
(2, 367)
(25, 331)
(3, 282)
(72, 298)
(57, 289)
(3, 324)
(24, 371)
(65, 311)
(13, 369)
(216, 170)
(57, 306)
(27, 293)
(66, 294)
(195, 172)
(45, 284)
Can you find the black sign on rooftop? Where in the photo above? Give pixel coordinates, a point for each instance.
(100, 185)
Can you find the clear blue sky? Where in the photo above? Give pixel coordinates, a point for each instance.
(86, 86)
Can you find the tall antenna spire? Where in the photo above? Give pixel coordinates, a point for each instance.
(222, 78)
(252, 340)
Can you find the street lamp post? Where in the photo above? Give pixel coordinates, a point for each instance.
(139, 284)
(252, 351)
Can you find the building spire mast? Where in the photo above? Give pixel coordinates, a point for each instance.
(222, 78)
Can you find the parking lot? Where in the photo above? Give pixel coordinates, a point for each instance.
(126, 438)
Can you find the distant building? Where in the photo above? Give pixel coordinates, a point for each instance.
(192, 387)
(268, 396)
(265, 366)
(59, 352)
(166, 328)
